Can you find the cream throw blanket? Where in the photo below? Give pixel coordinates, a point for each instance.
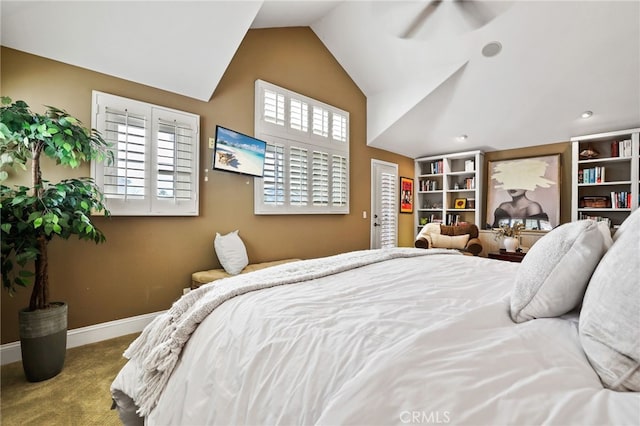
(158, 348)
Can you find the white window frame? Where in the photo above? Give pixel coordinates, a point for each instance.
(182, 193)
(294, 138)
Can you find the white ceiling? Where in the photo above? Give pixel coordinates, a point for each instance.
(424, 87)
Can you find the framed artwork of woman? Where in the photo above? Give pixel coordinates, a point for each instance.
(524, 190)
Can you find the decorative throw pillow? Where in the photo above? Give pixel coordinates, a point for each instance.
(554, 274)
(231, 252)
(610, 317)
(445, 241)
(606, 234)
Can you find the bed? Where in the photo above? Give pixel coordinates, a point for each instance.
(400, 336)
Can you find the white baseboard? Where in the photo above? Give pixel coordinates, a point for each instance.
(10, 352)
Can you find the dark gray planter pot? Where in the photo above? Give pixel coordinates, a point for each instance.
(43, 341)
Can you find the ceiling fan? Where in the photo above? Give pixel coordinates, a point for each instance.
(424, 19)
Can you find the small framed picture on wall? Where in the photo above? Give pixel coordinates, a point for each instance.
(406, 195)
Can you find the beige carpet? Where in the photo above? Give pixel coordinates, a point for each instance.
(79, 395)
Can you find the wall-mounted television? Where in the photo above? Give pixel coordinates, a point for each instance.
(239, 153)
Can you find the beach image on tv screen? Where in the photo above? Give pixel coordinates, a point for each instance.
(239, 153)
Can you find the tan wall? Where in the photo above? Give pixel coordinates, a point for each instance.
(146, 261)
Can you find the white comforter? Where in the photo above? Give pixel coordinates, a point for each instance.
(420, 340)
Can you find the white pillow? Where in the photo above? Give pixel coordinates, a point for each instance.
(231, 252)
(446, 241)
(606, 233)
(553, 276)
(610, 316)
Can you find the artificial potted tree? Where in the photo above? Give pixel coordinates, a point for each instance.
(33, 215)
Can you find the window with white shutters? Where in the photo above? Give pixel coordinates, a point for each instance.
(299, 115)
(339, 127)
(273, 181)
(320, 121)
(298, 181)
(155, 167)
(307, 164)
(388, 224)
(273, 107)
(339, 181)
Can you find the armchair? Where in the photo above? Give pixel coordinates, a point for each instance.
(461, 237)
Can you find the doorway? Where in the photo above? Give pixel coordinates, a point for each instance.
(384, 204)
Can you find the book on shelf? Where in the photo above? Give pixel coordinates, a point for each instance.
(470, 183)
(621, 200)
(469, 166)
(624, 148)
(453, 219)
(428, 185)
(436, 167)
(592, 175)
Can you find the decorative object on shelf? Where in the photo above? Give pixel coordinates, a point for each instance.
(460, 203)
(424, 221)
(510, 235)
(526, 189)
(589, 153)
(406, 195)
(471, 203)
(595, 202)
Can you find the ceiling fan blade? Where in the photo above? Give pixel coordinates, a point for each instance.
(475, 12)
(419, 20)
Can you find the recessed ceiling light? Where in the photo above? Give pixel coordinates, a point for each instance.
(462, 138)
(586, 114)
(491, 49)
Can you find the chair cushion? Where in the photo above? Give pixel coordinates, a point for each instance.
(445, 241)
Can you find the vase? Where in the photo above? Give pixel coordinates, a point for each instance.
(43, 341)
(510, 244)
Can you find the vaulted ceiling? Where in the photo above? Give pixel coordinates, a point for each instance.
(419, 63)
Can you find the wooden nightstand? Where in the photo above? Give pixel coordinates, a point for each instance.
(508, 256)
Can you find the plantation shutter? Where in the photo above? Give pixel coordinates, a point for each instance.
(339, 181)
(273, 107)
(273, 178)
(155, 167)
(320, 180)
(126, 133)
(299, 115)
(298, 182)
(339, 128)
(320, 121)
(388, 224)
(175, 168)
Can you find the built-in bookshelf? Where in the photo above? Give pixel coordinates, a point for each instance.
(449, 188)
(605, 176)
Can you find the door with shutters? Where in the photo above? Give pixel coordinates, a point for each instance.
(384, 204)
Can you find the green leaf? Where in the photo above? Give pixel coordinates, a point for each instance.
(6, 227)
(37, 223)
(57, 228)
(84, 205)
(17, 200)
